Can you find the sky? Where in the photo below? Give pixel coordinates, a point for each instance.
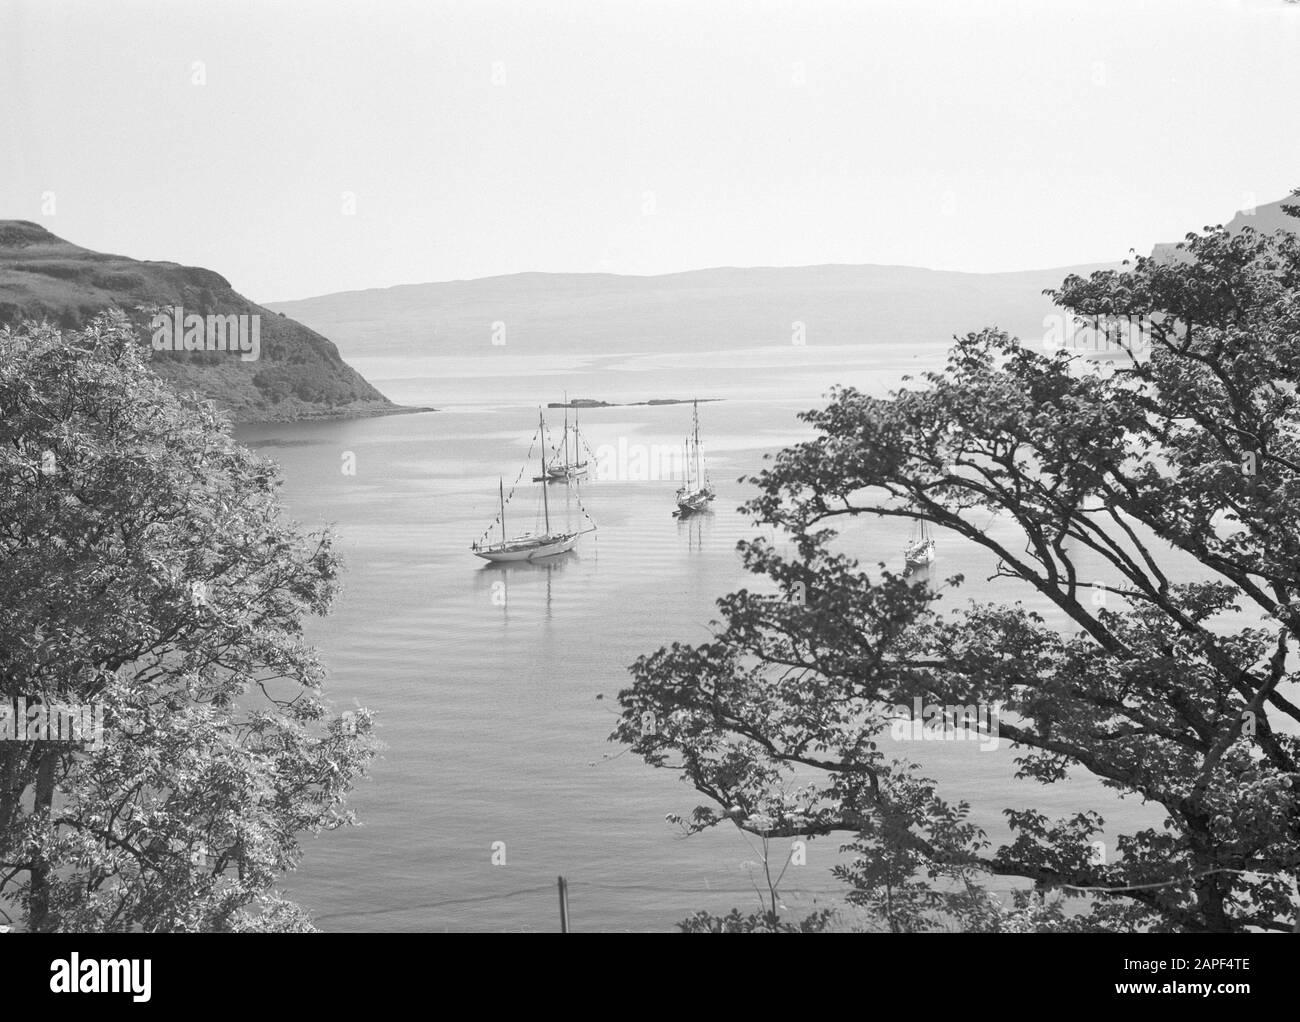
(301, 147)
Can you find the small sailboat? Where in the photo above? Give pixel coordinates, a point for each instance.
(527, 546)
(569, 468)
(695, 493)
(920, 551)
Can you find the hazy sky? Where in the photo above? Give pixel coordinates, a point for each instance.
(638, 137)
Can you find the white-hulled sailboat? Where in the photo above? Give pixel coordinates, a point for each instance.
(526, 546)
(695, 493)
(920, 551)
(569, 468)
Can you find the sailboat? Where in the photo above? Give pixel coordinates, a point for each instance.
(695, 493)
(920, 551)
(568, 468)
(526, 546)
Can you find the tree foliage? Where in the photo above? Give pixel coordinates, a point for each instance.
(756, 922)
(146, 569)
(1177, 471)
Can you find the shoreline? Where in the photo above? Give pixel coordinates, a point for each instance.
(356, 413)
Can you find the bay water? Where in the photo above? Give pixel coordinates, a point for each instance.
(494, 687)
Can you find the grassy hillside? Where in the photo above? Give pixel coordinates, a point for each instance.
(698, 310)
(300, 374)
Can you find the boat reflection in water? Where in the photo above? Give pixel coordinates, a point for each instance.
(513, 583)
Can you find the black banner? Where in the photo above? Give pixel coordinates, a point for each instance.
(166, 972)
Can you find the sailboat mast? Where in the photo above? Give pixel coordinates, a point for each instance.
(501, 483)
(699, 460)
(546, 504)
(566, 430)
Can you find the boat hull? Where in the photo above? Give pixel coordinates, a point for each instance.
(561, 475)
(550, 547)
(691, 503)
(921, 556)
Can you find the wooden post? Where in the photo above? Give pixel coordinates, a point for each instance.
(564, 905)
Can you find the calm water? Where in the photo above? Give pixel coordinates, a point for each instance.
(485, 680)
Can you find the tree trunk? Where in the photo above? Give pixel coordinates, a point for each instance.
(11, 787)
(41, 918)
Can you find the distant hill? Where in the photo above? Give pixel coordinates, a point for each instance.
(1265, 219)
(299, 375)
(697, 310)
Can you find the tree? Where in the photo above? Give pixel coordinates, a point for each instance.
(1178, 470)
(767, 922)
(146, 573)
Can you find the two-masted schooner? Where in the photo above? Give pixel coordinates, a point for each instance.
(695, 493)
(571, 467)
(528, 546)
